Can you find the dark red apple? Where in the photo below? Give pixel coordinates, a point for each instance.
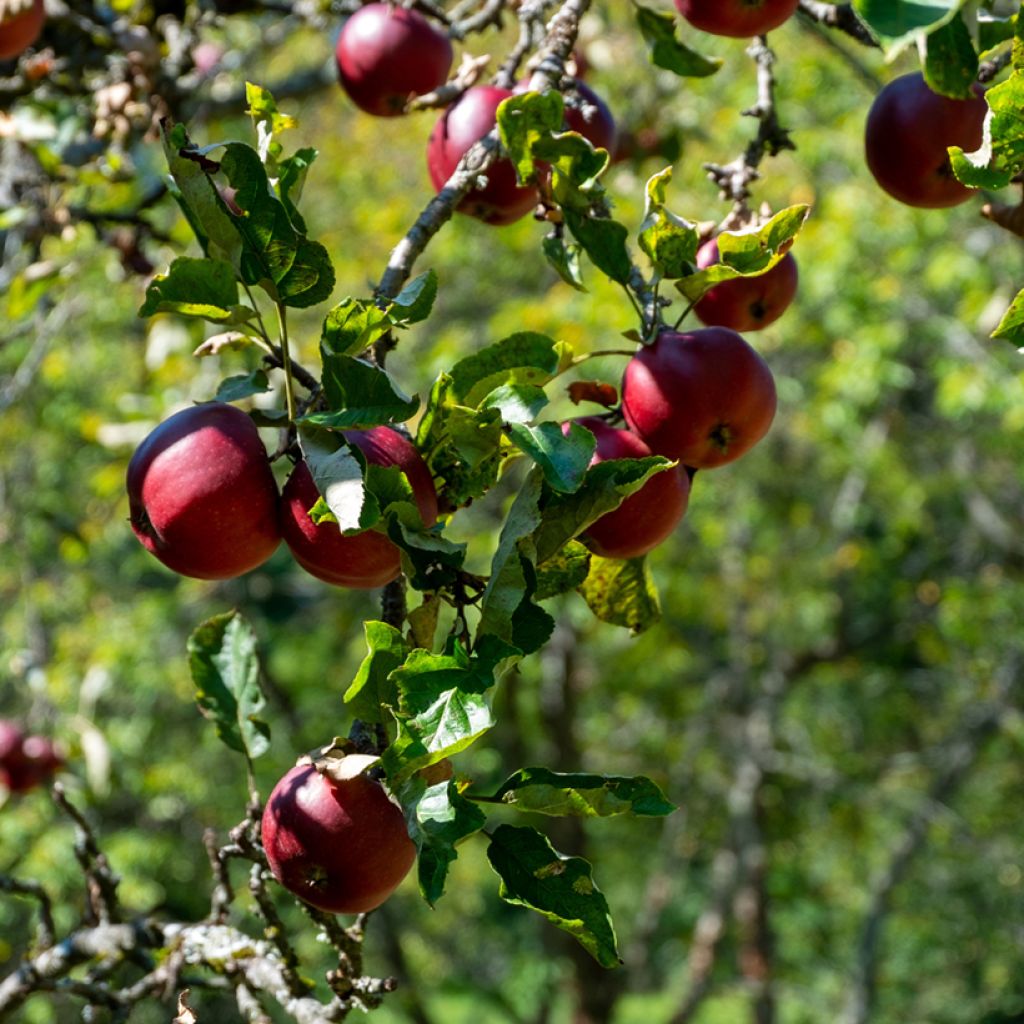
(746, 303)
(202, 496)
(704, 397)
(501, 200)
(36, 764)
(361, 560)
(26, 761)
(740, 19)
(908, 130)
(646, 517)
(19, 32)
(388, 54)
(339, 845)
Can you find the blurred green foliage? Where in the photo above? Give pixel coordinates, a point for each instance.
(859, 575)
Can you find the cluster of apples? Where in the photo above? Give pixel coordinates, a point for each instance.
(702, 398)
(203, 500)
(19, 31)
(26, 761)
(388, 55)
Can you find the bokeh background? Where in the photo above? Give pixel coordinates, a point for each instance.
(833, 694)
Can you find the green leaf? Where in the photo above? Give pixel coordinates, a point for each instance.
(371, 690)
(429, 560)
(951, 65)
(310, 278)
(605, 487)
(462, 446)
(1001, 155)
(513, 577)
(532, 626)
(425, 676)
(352, 326)
(226, 671)
(563, 572)
(622, 592)
(521, 358)
(1011, 327)
(669, 241)
(196, 194)
(576, 170)
(289, 267)
(583, 795)
(338, 475)
(415, 301)
(533, 874)
(267, 119)
(423, 621)
(234, 389)
(659, 32)
(203, 288)
(517, 403)
(563, 458)
(604, 241)
(446, 724)
(291, 179)
(359, 395)
(898, 23)
(523, 120)
(747, 253)
(438, 818)
(564, 257)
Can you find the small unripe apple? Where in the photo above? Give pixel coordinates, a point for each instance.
(19, 32)
(746, 303)
(340, 845)
(387, 55)
(908, 130)
(648, 515)
(202, 496)
(704, 397)
(501, 200)
(361, 560)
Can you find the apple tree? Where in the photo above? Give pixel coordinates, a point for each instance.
(508, 530)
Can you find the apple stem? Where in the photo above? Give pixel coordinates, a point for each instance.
(682, 316)
(286, 363)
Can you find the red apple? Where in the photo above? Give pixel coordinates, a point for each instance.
(746, 303)
(38, 762)
(202, 495)
(740, 19)
(361, 560)
(501, 200)
(908, 130)
(387, 55)
(592, 119)
(19, 32)
(704, 397)
(341, 846)
(26, 761)
(647, 516)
